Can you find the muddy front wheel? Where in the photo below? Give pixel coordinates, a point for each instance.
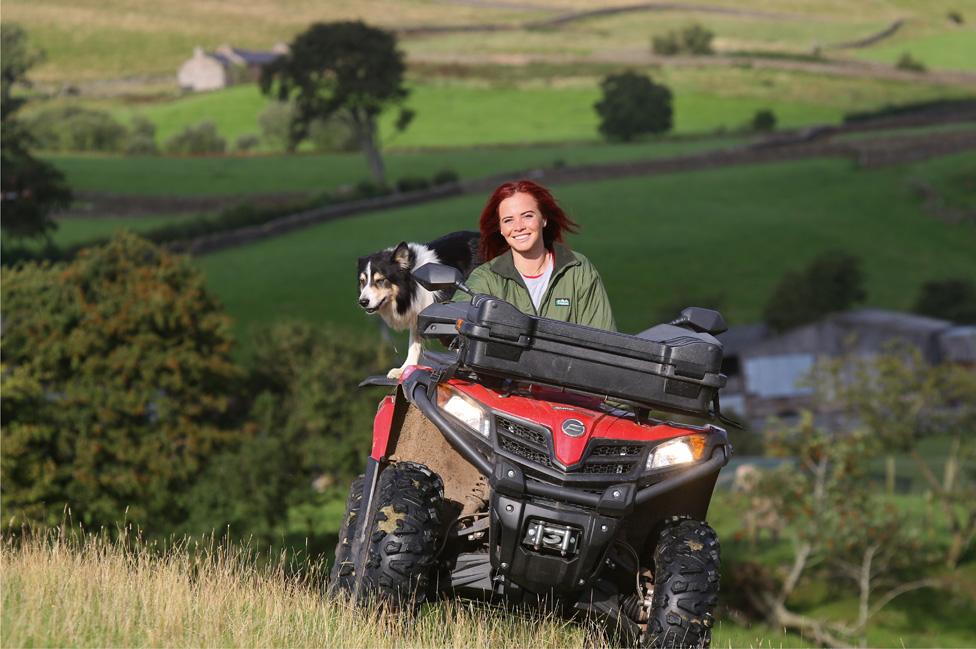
(686, 580)
(404, 536)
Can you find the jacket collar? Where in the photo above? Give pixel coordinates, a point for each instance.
(504, 264)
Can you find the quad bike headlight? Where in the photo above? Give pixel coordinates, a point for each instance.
(464, 409)
(682, 450)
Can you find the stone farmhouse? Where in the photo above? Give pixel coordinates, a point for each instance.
(765, 371)
(224, 66)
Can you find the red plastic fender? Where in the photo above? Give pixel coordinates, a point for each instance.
(382, 423)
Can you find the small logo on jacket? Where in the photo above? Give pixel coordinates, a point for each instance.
(573, 427)
(562, 301)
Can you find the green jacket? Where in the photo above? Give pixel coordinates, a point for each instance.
(575, 293)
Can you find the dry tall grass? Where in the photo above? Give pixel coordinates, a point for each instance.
(60, 590)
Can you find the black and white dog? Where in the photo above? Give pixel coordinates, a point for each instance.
(386, 286)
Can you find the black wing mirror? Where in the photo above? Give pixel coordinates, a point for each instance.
(437, 277)
(701, 320)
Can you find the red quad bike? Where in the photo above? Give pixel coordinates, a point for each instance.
(525, 467)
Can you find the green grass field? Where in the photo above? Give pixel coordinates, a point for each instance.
(316, 173)
(727, 233)
(527, 109)
(75, 230)
(951, 50)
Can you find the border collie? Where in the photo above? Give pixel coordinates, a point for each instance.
(386, 286)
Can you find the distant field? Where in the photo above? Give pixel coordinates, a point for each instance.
(88, 40)
(680, 238)
(315, 173)
(954, 50)
(76, 230)
(522, 108)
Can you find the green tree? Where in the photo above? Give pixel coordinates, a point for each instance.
(308, 434)
(837, 529)
(697, 40)
(117, 386)
(902, 400)
(29, 188)
(693, 39)
(832, 282)
(344, 69)
(949, 299)
(764, 120)
(632, 105)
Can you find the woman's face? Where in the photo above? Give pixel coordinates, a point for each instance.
(521, 223)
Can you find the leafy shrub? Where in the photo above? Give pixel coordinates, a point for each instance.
(275, 123)
(907, 62)
(333, 134)
(696, 39)
(948, 299)
(446, 177)
(666, 44)
(955, 17)
(141, 145)
(202, 138)
(117, 386)
(370, 189)
(73, 128)
(633, 104)
(143, 126)
(693, 39)
(246, 142)
(832, 282)
(412, 184)
(764, 120)
(309, 425)
(142, 137)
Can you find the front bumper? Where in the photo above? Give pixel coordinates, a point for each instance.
(508, 478)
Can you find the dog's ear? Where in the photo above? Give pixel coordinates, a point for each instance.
(361, 263)
(401, 254)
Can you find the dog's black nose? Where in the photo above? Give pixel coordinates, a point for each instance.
(364, 303)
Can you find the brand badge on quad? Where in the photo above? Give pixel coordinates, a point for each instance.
(573, 427)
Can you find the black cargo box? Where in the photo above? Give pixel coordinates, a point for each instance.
(665, 367)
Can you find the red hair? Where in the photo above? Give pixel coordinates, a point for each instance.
(493, 243)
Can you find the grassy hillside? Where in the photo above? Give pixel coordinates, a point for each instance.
(88, 40)
(726, 234)
(501, 106)
(60, 593)
(954, 50)
(65, 590)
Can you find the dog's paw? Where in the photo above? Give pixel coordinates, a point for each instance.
(394, 373)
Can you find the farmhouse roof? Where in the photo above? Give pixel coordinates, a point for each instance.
(253, 57)
(891, 320)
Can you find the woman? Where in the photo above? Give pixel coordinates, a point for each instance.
(528, 264)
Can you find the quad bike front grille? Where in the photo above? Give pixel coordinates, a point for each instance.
(532, 444)
(525, 451)
(606, 468)
(610, 450)
(521, 431)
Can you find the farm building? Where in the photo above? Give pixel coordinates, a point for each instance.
(765, 370)
(224, 66)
